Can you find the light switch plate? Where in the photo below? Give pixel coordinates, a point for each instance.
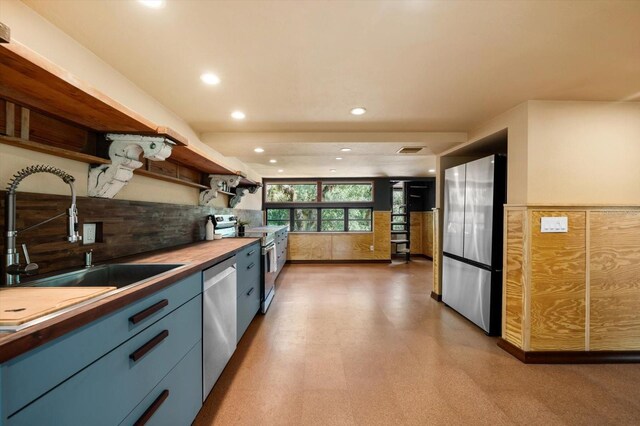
(554, 224)
(88, 233)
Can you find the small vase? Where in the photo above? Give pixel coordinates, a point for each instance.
(240, 230)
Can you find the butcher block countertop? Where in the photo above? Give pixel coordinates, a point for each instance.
(196, 257)
(23, 304)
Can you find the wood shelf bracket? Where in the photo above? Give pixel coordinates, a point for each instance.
(106, 180)
(217, 182)
(241, 192)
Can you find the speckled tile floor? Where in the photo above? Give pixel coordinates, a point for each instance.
(364, 344)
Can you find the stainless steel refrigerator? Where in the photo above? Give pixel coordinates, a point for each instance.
(474, 194)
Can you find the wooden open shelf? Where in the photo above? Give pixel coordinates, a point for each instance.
(87, 158)
(32, 81)
(28, 79)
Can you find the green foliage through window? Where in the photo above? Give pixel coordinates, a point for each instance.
(278, 217)
(347, 192)
(348, 206)
(305, 220)
(328, 219)
(292, 193)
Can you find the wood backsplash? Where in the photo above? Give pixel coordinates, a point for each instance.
(128, 227)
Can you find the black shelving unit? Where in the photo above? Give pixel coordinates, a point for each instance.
(400, 229)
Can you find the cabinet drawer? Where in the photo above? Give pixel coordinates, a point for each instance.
(248, 264)
(109, 389)
(41, 369)
(248, 255)
(248, 305)
(177, 399)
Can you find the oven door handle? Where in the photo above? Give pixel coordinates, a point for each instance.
(268, 248)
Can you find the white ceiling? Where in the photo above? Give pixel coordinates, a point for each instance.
(417, 66)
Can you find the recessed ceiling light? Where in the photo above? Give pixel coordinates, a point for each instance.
(259, 149)
(153, 4)
(332, 170)
(273, 161)
(210, 79)
(358, 111)
(432, 170)
(345, 149)
(280, 170)
(238, 115)
(338, 158)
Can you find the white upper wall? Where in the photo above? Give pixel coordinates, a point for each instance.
(584, 152)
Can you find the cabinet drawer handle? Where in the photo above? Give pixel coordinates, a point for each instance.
(250, 291)
(251, 252)
(134, 319)
(144, 349)
(251, 265)
(152, 408)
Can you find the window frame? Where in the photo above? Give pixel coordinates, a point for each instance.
(319, 205)
(345, 220)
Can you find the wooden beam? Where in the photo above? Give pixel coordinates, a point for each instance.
(24, 123)
(10, 118)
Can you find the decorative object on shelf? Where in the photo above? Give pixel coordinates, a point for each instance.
(107, 180)
(241, 192)
(217, 183)
(5, 33)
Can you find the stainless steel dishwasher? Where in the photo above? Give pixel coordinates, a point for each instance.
(218, 321)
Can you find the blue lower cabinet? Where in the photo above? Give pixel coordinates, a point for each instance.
(177, 398)
(29, 376)
(248, 306)
(108, 390)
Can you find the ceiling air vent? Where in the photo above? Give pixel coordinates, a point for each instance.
(409, 150)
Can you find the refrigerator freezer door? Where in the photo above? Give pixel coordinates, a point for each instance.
(453, 223)
(478, 210)
(467, 289)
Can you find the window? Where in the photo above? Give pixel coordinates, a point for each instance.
(305, 220)
(347, 192)
(359, 220)
(291, 193)
(332, 220)
(320, 206)
(279, 217)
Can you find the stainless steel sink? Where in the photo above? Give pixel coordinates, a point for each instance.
(114, 275)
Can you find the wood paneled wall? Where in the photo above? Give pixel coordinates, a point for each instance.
(574, 291)
(513, 295)
(344, 246)
(128, 227)
(421, 228)
(614, 280)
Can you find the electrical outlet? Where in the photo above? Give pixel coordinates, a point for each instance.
(371, 248)
(88, 233)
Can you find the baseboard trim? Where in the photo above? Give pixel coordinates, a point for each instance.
(322, 262)
(435, 296)
(570, 357)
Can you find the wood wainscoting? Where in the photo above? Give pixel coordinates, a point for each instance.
(340, 246)
(421, 230)
(572, 292)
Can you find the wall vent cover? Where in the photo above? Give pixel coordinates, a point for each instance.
(409, 150)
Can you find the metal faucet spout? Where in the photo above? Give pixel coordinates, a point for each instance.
(13, 270)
